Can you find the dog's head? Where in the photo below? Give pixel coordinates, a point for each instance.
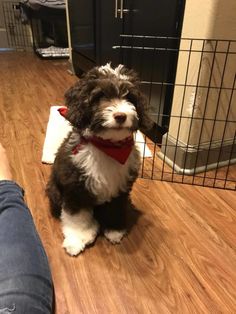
(107, 102)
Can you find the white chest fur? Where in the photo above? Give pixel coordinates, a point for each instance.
(104, 176)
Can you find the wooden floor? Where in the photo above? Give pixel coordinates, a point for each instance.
(180, 256)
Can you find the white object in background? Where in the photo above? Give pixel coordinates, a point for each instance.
(57, 130)
(142, 146)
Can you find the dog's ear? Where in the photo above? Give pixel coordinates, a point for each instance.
(76, 99)
(134, 95)
(141, 104)
(72, 102)
(79, 96)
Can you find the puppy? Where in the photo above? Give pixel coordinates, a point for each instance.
(98, 162)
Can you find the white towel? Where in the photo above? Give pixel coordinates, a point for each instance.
(57, 130)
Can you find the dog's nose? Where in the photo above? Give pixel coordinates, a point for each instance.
(120, 117)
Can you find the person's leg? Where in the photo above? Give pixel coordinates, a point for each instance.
(25, 278)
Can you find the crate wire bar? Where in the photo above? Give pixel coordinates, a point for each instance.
(198, 145)
(19, 35)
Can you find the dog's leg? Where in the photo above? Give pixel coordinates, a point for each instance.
(54, 197)
(79, 230)
(115, 236)
(112, 217)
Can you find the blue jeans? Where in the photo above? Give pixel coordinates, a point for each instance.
(25, 278)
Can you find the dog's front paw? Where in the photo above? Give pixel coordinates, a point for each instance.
(115, 236)
(73, 245)
(80, 230)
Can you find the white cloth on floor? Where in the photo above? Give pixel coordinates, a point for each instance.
(57, 130)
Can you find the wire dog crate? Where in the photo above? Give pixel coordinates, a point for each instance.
(192, 105)
(42, 30)
(49, 31)
(19, 35)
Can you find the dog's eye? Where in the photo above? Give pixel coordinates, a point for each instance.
(131, 98)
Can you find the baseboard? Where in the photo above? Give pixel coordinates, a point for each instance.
(190, 160)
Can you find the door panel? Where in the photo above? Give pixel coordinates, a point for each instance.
(151, 17)
(151, 57)
(109, 32)
(82, 15)
(96, 27)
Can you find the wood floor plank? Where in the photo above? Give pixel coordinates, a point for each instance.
(179, 256)
(193, 244)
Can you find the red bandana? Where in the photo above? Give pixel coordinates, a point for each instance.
(63, 111)
(119, 150)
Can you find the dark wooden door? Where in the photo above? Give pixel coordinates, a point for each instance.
(123, 25)
(82, 18)
(109, 27)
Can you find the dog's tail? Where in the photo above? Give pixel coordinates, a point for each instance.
(55, 198)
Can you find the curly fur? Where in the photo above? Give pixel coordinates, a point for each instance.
(89, 190)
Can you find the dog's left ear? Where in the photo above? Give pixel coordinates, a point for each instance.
(136, 97)
(145, 122)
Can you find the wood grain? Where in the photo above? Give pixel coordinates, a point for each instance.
(180, 255)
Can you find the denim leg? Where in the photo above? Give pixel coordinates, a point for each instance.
(25, 278)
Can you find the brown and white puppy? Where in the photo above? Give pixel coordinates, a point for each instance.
(98, 162)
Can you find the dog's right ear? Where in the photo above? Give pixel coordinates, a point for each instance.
(77, 98)
(72, 99)
(73, 94)
(77, 102)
